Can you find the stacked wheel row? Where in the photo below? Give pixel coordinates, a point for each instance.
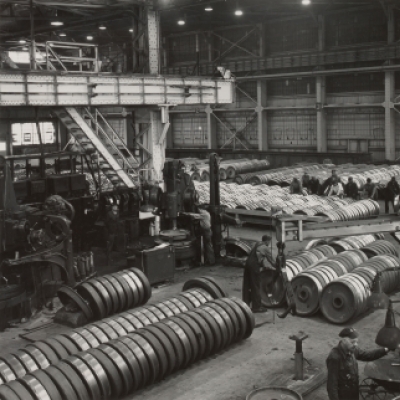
(43, 353)
(346, 297)
(138, 359)
(358, 210)
(298, 263)
(308, 285)
(109, 294)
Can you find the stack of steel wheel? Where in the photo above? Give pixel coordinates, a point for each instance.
(355, 242)
(300, 262)
(380, 247)
(308, 285)
(109, 294)
(141, 358)
(358, 210)
(346, 297)
(240, 179)
(265, 197)
(43, 353)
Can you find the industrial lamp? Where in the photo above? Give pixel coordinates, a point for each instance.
(389, 335)
(378, 299)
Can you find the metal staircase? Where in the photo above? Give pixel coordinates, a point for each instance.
(115, 160)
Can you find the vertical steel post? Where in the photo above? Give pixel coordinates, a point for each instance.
(33, 46)
(153, 29)
(322, 140)
(215, 204)
(390, 122)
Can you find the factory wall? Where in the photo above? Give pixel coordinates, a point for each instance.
(353, 108)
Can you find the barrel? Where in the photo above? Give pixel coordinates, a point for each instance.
(308, 285)
(346, 297)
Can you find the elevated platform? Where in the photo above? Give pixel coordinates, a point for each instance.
(45, 88)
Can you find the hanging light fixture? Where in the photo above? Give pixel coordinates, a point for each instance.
(102, 27)
(389, 335)
(208, 7)
(238, 10)
(22, 41)
(57, 23)
(182, 21)
(131, 30)
(89, 37)
(306, 2)
(62, 34)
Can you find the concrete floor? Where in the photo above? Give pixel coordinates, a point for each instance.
(251, 364)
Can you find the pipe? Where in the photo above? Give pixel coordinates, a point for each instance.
(394, 67)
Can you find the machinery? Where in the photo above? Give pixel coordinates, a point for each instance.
(36, 246)
(179, 197)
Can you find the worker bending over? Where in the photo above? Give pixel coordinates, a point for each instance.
(259, 259)
(342, 366)
(335, 189)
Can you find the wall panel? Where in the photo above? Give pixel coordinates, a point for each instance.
(189, 130)
(244, 122)
(284, 36)
(292, 129)
(356, 28)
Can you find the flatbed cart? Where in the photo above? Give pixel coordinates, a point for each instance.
(382, 380)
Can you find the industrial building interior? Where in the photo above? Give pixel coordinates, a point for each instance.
(199, 199)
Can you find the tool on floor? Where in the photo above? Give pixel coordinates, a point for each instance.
(298, 355)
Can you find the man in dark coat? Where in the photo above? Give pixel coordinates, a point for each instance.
(314, 185)
(351, 189)
(260, 258)
(391, 193)
(342, 366)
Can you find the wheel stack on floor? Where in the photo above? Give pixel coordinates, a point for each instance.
(119, 355)
(337, 278)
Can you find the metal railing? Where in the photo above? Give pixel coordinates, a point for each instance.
(110, 138)
(70, 56)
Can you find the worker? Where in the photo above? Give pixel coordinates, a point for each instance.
(342, 366)
(314, 186)
(369, 190)
(260, 258)
(112, 228)
(392, 191)
(295, 187)
(335, 189)
(205, 226)
(351, 189)
(305, 181)
(328, 182)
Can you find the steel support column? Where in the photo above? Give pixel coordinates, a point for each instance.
(153, 29)
(320, 83)
(390, 138)
(262, 115)
(322, 140)
(156, 148)
(211, 128)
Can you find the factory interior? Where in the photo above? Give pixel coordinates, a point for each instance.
(199, 199)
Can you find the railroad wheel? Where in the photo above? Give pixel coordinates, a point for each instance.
(370, 390)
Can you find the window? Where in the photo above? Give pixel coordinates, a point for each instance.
(25, 134)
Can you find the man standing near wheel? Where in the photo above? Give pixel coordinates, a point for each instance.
(259, 259)
(342, 366)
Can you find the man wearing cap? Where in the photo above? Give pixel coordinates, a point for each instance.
(342, 366)
(259, 259)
